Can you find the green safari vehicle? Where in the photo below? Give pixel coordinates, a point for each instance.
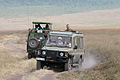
(37, 37)
(63, 48)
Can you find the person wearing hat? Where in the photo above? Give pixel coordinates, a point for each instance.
(68, 28)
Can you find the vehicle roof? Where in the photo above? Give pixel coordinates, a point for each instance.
(66, 33)
(42, 23)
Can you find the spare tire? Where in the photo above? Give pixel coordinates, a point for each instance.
(33, 43)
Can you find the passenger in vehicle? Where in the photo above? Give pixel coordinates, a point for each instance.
(47, 27)
(69, 44)
(68, 28)
(39, 27)
(60, 41)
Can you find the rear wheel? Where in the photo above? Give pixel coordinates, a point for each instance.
(68, 65)
(29, 56)
(39, 65)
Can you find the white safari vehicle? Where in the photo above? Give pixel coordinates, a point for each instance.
(63, 49)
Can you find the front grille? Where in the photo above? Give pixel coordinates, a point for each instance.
(51, 54)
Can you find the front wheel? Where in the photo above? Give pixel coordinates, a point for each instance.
(68, 65)
(38, 65)
(80, 61)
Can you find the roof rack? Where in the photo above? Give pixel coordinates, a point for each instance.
(61, 32)
(42, 23)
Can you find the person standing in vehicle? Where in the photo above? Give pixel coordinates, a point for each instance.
(47, 27)
(68, 28)
(39, 27)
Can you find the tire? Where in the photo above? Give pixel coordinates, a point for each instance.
(80, 61)
(33, 43)
(68, 65)
(29, 56)
(38, 66)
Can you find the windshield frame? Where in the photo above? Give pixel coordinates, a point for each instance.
(56, 44)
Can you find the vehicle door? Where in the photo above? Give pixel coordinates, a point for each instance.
(75, 49)
(78, 48)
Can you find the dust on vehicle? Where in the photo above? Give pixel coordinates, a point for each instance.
(63, 49)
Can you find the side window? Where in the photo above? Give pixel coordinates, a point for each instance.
(75, 41)
(81, 43)
(78, 42)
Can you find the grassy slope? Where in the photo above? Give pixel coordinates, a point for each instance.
(13, 62)
(104, 43)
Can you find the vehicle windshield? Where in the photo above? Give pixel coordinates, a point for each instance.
(59, 41)
(42, 26)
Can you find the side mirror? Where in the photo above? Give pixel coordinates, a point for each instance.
(75, 47)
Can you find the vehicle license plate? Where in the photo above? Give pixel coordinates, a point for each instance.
(42, 59)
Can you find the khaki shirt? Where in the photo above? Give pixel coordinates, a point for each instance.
(70, 30)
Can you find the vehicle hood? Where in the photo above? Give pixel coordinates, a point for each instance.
(58, 49)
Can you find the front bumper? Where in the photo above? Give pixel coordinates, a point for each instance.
(52, 59)
(52, 56)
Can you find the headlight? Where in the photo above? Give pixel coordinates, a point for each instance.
(61, 54)
(44, 52)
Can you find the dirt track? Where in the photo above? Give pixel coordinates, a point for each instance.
(46, 76)
(11, 42)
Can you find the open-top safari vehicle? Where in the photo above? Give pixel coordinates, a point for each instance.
(37, 37)
(64, 49)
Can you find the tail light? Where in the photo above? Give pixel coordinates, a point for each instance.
(46, 31)
(33, 30)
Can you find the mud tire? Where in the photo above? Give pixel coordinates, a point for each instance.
(36, 41)
(38, 66)
(68, 65)
(29, 56)
(80, 61)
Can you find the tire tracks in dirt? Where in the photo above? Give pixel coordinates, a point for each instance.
(49, 76)
(17, 77)
(14, 47)
(10, 44)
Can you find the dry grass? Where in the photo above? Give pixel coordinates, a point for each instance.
(13, 62)
(36, 75)
(88, 28)
(105, 44)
